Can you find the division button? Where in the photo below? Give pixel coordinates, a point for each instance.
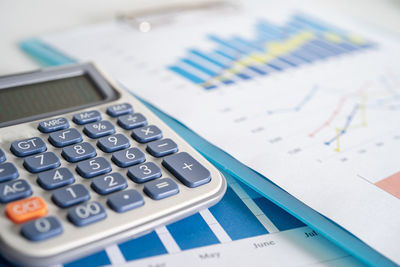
(161, 188)
(125, 200)
(147, 134)
(2, 155)
(128, 157)
(79, 152)
(93, 167)
(99, 129)
(26, 147)
(53, 125)
(132, 121)
(42, 229)
(55, 178)
(162, 147)
(14, 190)
(188, 170)
(109, 183)
(144, 172)
(41, 162)
(65, 137)
(113, 143)
(67, 196)
(86, 117)
(8, 171)
(119, 109)
(26, 209)
(87, 213)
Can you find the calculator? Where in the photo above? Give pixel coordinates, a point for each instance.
(84, 164)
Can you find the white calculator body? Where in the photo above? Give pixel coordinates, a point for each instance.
(84, 164)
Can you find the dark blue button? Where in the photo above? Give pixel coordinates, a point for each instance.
(79, 152)
(87, 213)
(113, 143)
(188, 170)
(146, 134)
(99, 129)
(162, 147)
(2, 155)
(65, 137)
(86, 117)
(55, 178)
(8, 171)
(161, 188)
(42, 229)
(14, 190)
(53, 125)
(93, 167)
(131, 121)
(26, 147)
(144, 172)
(71, 195)
(109, 183)
(128, 157)
(125, 200)
(41, 162)
(119, 109)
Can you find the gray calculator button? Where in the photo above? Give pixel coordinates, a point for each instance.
(109, 183)
(26, 147)
(188, 170)
(119, 109)
(2, 155)
(55, 178)
(87, 213)
(99, 129)
(144, 172)
(128, 157)
(79, 152)
(71, 195)
(132, 121)
(65, 137)
(113, 143)
(42, 229)
(125, 200)
(41, 162)
(86, 117)
(53, 125)
(162, 147)
(8, 171)
(146, 134)
(14, 190)
(93, 167)
(161, 188)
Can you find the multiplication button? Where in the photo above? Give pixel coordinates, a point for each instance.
(146, 134)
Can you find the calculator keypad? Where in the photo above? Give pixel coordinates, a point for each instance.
(161, 148)
(26, 209)
(132, 121)
(87, 213)
(14, 190)
(79, 152)
(86, 117)
(109, 183)
(41, 162)
(146, 134)
(125, 200)
(53, 125)
(2, 155)
(113, 143)
(128, 157)
(99, 129)
(26, 147)
(119, 109)
(8, 171)
(65, 137)
(93, 167)
(161, 188)
(55, 178)
(144, 172)
(41, 229)
(68, 196)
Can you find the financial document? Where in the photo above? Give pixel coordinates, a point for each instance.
(306, 98)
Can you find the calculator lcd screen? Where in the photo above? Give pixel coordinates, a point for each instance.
(47, 97)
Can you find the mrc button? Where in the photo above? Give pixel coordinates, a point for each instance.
(26, 147)
(52, 125)
(26, 209)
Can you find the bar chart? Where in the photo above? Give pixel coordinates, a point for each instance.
(302, 40)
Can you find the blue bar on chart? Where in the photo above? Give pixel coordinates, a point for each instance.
(192, 232)
(97, 259)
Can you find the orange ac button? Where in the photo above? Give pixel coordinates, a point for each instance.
(26, 209)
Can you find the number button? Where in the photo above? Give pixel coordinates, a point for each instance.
(93, 167)
(27, 147)
(125, 200)
(99, 129)
(65, 137)
(147, 134)
(78, 152)
(119, 109)
(2, 155)
(131, 121)
(144, 172)
(26, 209)
(161, 188)
(53, 125)
(87, 213)
(188, 170)
(71, 195)
(86, 117)
(8, 171)
(42, 229)
(128, 157)
(109, 183)
(55, 178)
(162, 147)
(41, 162)
(113, 143)
(14, 190)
